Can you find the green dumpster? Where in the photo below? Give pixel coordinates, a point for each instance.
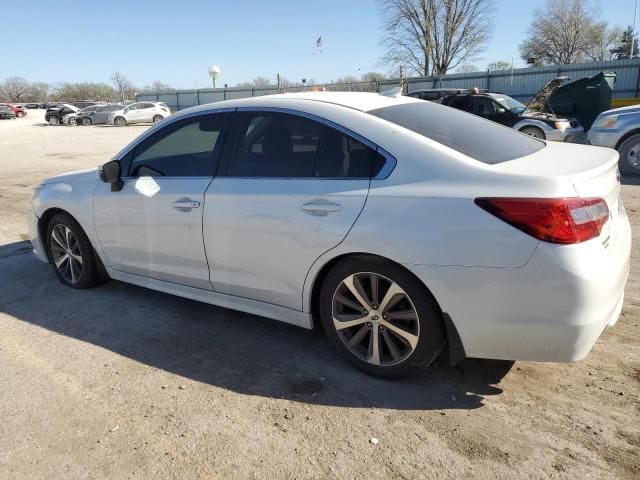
(584, 99)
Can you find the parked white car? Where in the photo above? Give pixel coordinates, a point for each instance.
(140, 112)
(400, 226)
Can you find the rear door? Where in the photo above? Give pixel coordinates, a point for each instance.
(288, 189)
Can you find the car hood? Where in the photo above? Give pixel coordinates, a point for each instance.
(538, 104)
(622, 110)
(70, 176)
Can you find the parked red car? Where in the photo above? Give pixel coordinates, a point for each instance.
(19, 110)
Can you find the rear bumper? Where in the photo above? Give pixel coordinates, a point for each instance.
(552, 309)
(568, 135)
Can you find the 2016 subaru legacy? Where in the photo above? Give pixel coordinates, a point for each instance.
(401, 226)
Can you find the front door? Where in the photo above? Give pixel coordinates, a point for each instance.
(288, 189)
(153, 226)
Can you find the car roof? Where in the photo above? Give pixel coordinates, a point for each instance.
(360, 101)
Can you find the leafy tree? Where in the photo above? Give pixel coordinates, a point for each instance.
(431, 37)
(499, 65)
(467, 68)
(623, 46)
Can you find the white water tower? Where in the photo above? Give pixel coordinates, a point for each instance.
(214, 72)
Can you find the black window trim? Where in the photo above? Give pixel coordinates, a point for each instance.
(124, 155)
(384, 172)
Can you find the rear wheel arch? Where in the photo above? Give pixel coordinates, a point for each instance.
(322, 273)
(627, 135)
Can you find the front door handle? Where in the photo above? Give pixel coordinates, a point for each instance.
(186, 204)
(321, 208)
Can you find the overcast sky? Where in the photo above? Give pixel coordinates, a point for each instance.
(175, 41)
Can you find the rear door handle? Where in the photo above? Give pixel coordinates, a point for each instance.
(186, 204)
(321, 208)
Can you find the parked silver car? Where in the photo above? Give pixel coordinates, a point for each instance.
(96, 115)
(620, 129)
(139, 112)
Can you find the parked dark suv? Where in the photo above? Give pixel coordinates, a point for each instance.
(532, 119)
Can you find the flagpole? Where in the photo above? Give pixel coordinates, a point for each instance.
(633, 33)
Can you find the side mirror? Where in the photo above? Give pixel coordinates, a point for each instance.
(111, 172)
(501, 111)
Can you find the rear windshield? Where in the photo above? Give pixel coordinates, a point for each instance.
(475, 137)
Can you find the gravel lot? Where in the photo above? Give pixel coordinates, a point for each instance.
(123, 382)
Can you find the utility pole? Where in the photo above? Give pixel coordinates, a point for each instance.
(633, 33)
(278, 80)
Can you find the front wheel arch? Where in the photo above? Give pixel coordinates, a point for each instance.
(43, 224)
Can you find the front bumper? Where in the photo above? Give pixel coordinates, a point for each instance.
(605, 137)
(34, 236)
(552, 309)
(568, 135)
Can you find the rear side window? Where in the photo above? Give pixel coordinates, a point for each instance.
(473, 136)
(181, 149)
(281, 145)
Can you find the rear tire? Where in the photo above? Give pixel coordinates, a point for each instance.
(403, 316)
(71, 254)
(20, 114)
(157, 118)
(629, 151)
(119, 122)
(534, 132)
(73, 121)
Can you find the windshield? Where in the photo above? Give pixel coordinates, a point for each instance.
(473, 136)
(510, 104)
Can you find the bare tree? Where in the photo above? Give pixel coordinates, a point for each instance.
(431, 37)
(14, 89)
(604, 41)
(372, 77)
(123, 85)
(158, 86)
(563, 32)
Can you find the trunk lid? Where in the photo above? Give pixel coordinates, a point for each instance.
(593, 171)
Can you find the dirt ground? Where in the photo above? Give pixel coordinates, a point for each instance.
(123, 382)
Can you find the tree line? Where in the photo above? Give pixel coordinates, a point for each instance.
(19, 89)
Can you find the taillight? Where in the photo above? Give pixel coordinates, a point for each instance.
(554, 220)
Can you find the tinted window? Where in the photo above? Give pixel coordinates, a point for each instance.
(473, 136)
(181, 149)
(280, 145)
(484, 106)
(146, 105)
(461, 102)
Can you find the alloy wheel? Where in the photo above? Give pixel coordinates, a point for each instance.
(66, 254)
(633, 157)
(375, 318)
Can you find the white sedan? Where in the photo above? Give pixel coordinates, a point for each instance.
(403, 227)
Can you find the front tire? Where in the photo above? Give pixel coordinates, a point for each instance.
(120, 122)
(380, 317)
(534, 132)
(19, 114)
(630, 155)
(70, 253)
(86, 121)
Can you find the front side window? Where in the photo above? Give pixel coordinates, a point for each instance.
(282, 145)
(185, 148)
(484, 106)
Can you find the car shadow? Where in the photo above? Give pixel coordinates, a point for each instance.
(229, 349)
(629, 180)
